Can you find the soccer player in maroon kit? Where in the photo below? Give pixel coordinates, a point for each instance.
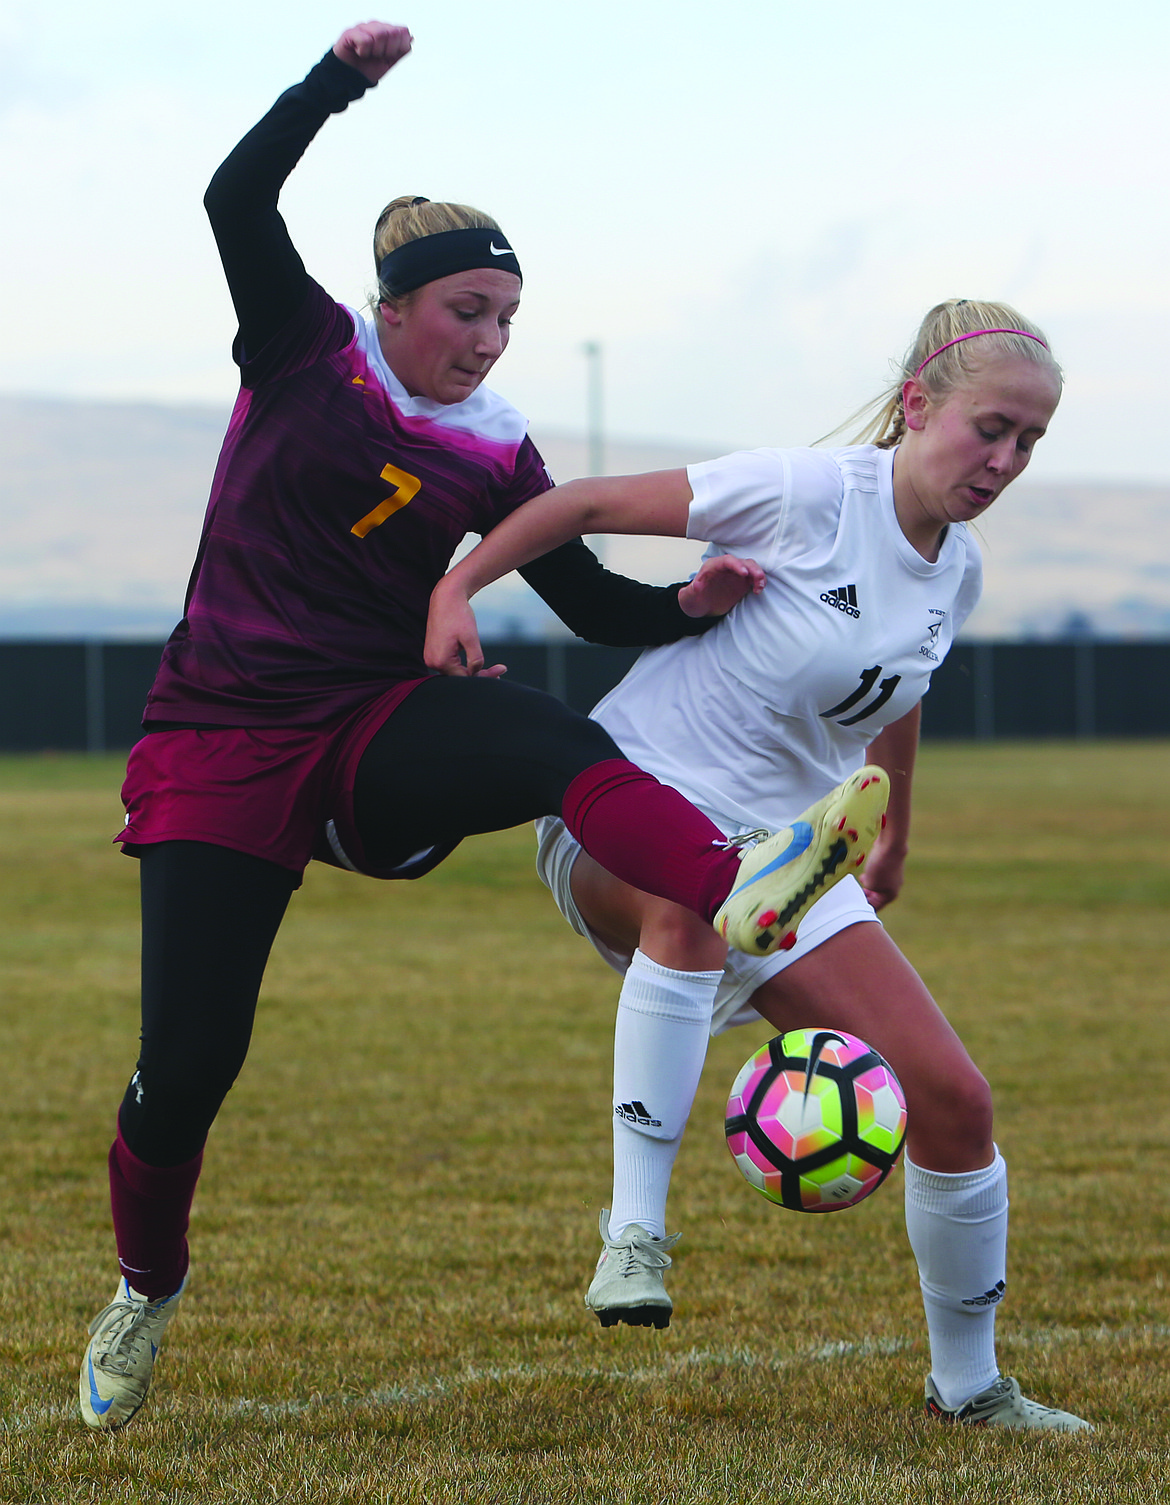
(293, 717)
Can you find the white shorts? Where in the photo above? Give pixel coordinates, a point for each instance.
(845, 904)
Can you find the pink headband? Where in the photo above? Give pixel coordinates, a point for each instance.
(973, 335)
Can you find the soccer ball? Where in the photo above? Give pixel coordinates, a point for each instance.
(816, 1120)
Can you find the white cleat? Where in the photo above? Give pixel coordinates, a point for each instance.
(124, 1342)
(1002, 1405)
(781, 878)
(627, 1286)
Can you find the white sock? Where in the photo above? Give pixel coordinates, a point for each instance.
(659, 1046)
(957, 1226)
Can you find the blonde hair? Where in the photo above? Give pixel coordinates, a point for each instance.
(945, 322)
(411, 218)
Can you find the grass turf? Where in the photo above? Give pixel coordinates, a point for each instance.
(398, 1216)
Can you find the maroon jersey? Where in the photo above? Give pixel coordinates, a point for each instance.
(337, 504)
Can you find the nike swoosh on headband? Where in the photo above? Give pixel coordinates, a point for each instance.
(431, 257)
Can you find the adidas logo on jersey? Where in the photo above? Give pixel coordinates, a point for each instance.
(844, 598)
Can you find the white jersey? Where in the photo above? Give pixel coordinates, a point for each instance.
(766, 712)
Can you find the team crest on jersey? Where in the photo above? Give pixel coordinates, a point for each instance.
(927, 649)
(843, 599)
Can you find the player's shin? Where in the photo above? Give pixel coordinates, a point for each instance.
(151, 1207)
(660, 1044)
(957, 1226)
(645, 833)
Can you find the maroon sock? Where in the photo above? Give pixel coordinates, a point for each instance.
(152, 1206)
(648, 835)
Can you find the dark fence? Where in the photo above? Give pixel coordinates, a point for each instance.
(73, 696)
(89, 696)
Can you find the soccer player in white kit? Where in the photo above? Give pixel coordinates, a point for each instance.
(870, 571)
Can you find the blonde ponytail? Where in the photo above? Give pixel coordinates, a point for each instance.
(943, 355)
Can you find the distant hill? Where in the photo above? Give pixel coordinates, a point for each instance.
(101, 506)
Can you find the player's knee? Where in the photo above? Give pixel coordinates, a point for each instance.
(585, 742)
(168, 1109)
(960, 1121)
(561, 747)
(678, 938)
(971, 1095)
(565, 737)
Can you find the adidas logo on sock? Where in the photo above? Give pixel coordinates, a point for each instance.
(637, 1113)
(989, 1298)
(844, 598)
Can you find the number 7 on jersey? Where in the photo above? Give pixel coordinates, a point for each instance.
(406, 488)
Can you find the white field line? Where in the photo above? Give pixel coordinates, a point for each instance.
(414, 1392)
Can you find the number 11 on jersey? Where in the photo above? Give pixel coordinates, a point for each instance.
(868, 680)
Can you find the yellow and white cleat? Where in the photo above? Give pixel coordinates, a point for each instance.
(782, 877)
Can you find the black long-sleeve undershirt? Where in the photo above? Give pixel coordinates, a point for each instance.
(265, 274)
(267, 281)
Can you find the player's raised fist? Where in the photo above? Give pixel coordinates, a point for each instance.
(373, 47)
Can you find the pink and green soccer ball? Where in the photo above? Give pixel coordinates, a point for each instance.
(816, 1120)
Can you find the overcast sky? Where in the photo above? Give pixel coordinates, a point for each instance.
(749, 204)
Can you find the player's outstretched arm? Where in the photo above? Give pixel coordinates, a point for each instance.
(265, 275)
(656, 503)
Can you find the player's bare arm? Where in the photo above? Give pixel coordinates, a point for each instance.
(894, 749)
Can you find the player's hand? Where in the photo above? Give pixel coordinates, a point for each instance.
(883, 874)
(452, 643)
(722, 582)
(373, 47)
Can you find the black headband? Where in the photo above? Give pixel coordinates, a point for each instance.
(433, 256)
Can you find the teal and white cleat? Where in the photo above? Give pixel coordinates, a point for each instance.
(1002, 1405)
(124, 1343)
(782, 877)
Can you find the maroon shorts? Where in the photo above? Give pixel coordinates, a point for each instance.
(284, 794)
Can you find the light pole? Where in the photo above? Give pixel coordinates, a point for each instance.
(593, 409)
(594, 425)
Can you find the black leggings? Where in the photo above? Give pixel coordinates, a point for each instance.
(459, 756)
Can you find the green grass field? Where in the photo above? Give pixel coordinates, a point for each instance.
(398, 1216)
